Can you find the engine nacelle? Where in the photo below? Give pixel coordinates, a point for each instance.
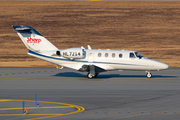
(72, 53)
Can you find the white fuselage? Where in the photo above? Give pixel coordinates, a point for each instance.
(106, 59)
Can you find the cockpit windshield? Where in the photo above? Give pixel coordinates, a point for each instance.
(139, 55)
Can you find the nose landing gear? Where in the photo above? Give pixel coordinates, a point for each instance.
(148, 75)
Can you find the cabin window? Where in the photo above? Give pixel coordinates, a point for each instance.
(131, 55)
(106, 54)
(113, 55)
(99, 54)
(120, 55)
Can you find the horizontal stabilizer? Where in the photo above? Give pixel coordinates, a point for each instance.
(22, 28)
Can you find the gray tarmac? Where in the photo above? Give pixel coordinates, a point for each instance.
(90, 0)
(115, 95)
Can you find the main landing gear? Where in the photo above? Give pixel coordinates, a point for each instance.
(148, 75)
(89, 75)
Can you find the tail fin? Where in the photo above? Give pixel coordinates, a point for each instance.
(33, 40)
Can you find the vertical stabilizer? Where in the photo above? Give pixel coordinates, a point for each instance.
(33, 40)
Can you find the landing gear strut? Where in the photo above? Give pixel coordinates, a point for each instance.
(90, 76)
(148, 75)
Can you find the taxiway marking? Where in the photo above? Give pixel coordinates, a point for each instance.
(65, 105)
(114, 80)
(25, 72)
(34, 107)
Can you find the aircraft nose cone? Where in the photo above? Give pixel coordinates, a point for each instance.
(157, 65)
(163, 66)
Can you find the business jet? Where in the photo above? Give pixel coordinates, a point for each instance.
(93, 61)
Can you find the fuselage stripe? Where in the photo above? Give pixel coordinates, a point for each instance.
(38, 54)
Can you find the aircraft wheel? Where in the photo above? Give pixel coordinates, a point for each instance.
(148, 75)
(95, 75)
(89, 75)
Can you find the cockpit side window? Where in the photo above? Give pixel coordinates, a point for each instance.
(139, 55)
(131, 55)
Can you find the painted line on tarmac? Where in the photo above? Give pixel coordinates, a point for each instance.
(141, 78)
(35, 107)
(145, 81)
(65, 105)
(158, 113)
(26, 72)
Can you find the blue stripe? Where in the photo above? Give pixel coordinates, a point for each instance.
(35, 53)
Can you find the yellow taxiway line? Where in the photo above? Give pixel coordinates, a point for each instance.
(65, 105)
(34, 107)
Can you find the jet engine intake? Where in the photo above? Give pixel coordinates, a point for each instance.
(58, 53)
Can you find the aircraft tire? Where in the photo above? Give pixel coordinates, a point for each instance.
(90, 76)
(148, 75)
(95, 75)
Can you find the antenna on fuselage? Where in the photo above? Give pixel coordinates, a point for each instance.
(89, 47)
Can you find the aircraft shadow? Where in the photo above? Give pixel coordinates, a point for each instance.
(74, 74)
(70, 74)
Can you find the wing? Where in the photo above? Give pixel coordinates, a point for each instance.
(91, 69)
